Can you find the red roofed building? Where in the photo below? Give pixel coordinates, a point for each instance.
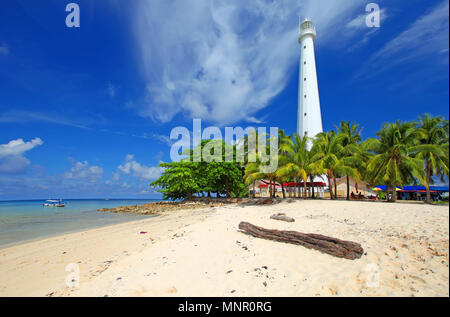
(261, 188)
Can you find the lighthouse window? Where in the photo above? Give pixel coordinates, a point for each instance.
(305, 114)
(304, 62)
(304, 79)
(307, 25)
(304, 46)
(305, 96)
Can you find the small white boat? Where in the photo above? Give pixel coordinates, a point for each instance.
(54, 203)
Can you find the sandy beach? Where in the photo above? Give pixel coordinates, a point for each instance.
(200, 252)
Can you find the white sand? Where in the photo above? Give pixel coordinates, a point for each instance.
(406, 245)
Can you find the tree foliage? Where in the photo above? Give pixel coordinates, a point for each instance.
(433, 149)
(183, 180)
(178, 181)
(394, 162)
(402, 153)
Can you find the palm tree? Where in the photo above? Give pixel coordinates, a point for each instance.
(433, 149)
(252, 174)
(282, 139)
(254, 170)
(394, 162)
(295, 160)
(329, 157)
(326, 147)
(316, 172)
(351, 151)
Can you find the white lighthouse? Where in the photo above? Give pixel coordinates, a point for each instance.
(309, 120)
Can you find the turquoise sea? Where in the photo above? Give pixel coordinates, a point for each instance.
(26, 220)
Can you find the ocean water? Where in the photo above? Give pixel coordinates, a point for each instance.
(21, 221)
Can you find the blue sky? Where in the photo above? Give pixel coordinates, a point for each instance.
(87, 112)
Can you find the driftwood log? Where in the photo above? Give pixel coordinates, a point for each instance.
(282, 217)
(339, 248)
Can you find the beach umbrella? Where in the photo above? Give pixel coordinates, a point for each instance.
(376, 189)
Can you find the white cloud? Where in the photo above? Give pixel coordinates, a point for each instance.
(116, 176)
(13, 164)
(4, 50)
(17, 116)
(427, 35)
(163, 139)
(357, 23)
(224, 61)
(131, 167)
(254, 120)
(12, 160)
(82, 171)
(18, 147)
(357, 29)
(364, 39)
(360, 21)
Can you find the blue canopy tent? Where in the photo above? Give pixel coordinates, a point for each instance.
(417, 192)
(441, 189)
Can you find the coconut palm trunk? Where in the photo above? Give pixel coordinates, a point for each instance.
(330, 187)
(335, 187)
(274, 190)
(428, 180)
(304, 190)
(348, 188)
(394, 194)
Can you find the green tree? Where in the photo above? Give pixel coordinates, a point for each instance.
(282, 139)
(221, 176)
(352, 154)
(184, 179)
(315, 170)
(394, 162)
(226, 177)
(327, 147)
(254, 169)
(433, 149)
(252, 174)
(177, 181)
(295, 160)
(329, 156)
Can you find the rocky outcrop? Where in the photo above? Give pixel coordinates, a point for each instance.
(158, 208)
(154, 208)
